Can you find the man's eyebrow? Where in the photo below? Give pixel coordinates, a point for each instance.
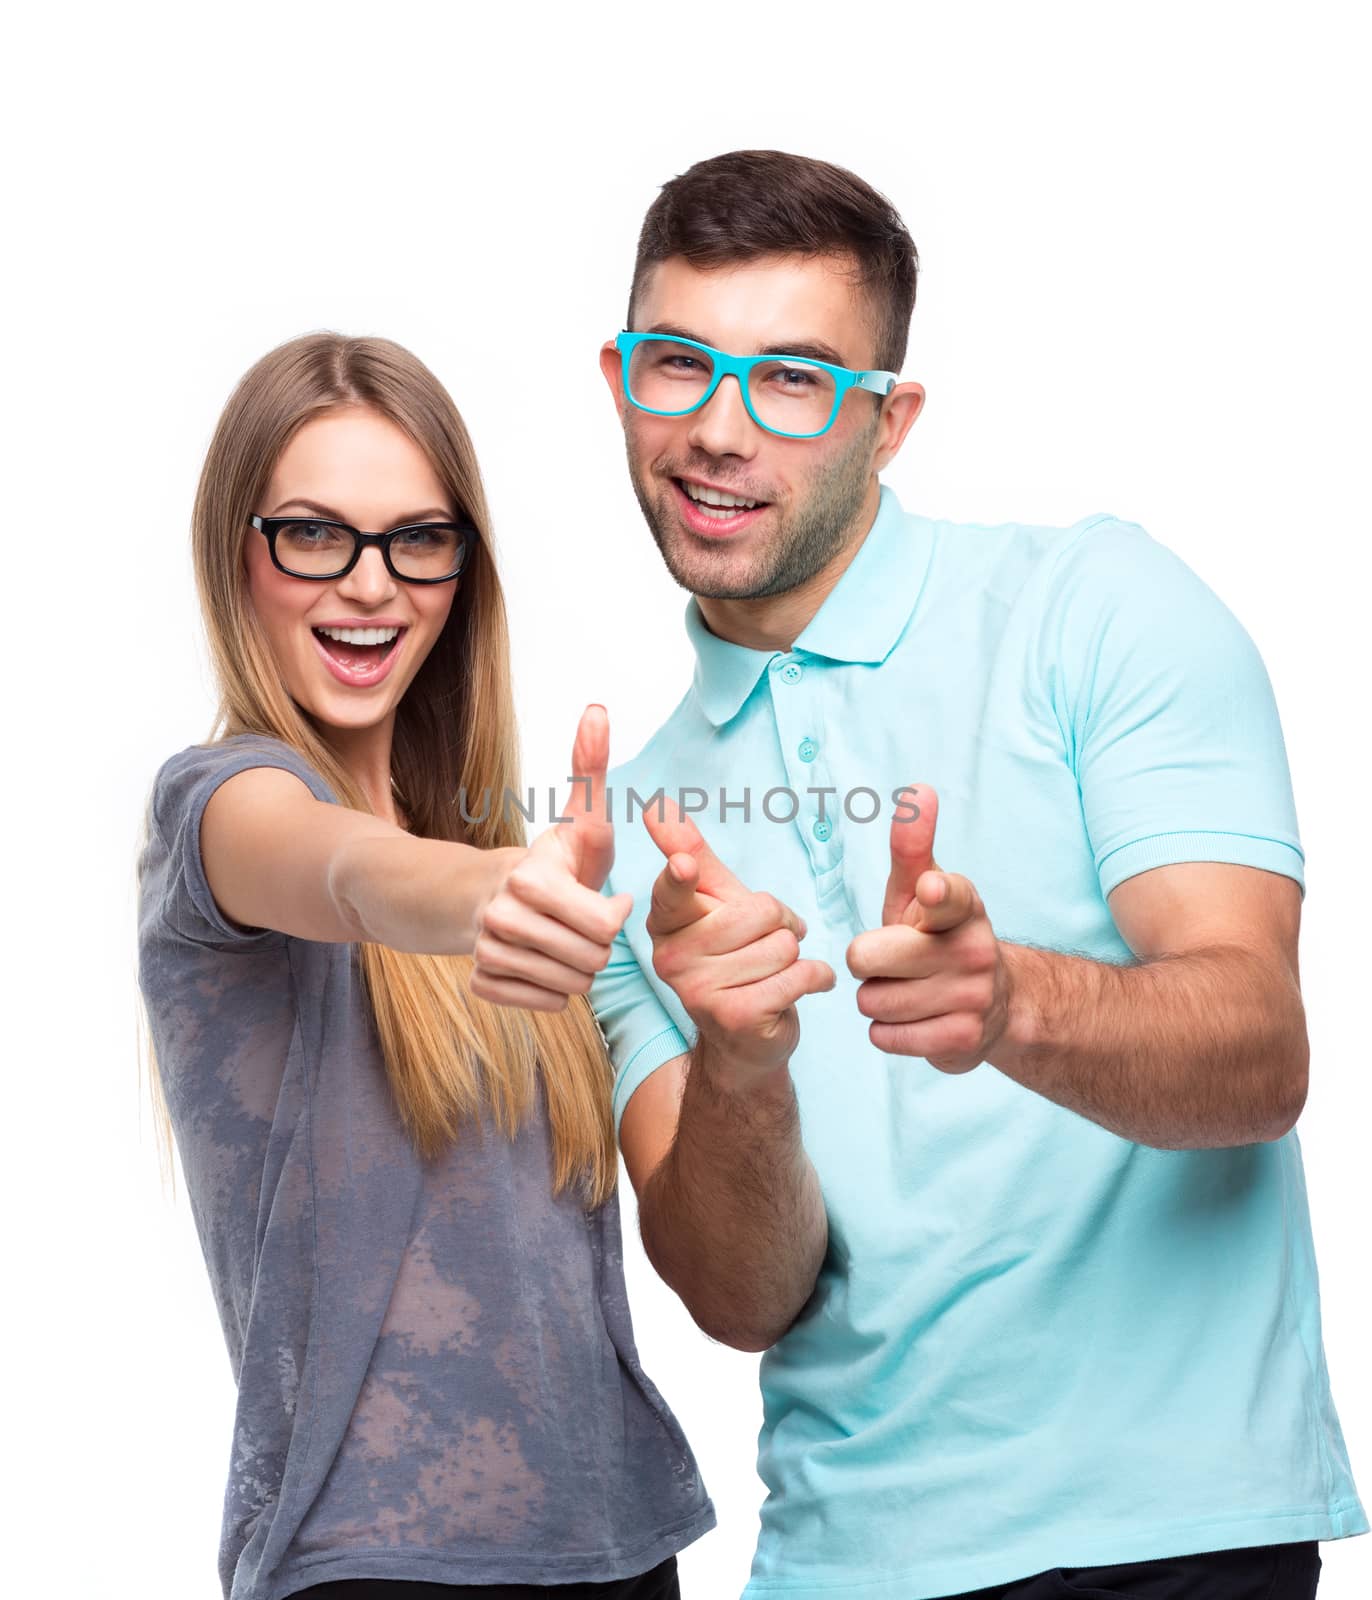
(677, 332)
(429, 514)
(811, 349)
(815, 349)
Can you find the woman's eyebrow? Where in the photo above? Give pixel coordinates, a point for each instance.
(429, 514)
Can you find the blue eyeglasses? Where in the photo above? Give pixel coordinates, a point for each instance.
(793, 396)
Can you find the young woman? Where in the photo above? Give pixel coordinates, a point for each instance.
(367, 1004)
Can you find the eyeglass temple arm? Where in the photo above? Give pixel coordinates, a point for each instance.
(877, 382)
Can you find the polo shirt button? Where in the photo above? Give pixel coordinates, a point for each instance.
(822, 829)
(792, 672)
(807, 749)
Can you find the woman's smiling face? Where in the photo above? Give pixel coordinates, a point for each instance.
(356, 466)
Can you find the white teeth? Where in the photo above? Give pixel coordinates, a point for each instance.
(360, 635)
(716, 497)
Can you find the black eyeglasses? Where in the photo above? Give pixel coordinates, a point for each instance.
(314, 547)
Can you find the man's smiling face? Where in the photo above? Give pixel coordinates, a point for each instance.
(810, 495)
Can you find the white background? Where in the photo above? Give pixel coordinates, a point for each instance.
(1144, 291)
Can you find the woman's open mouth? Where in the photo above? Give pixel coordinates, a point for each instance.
(359, 657)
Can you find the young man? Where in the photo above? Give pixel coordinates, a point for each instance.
(995, 1162)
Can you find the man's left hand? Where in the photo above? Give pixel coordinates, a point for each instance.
(936, 981)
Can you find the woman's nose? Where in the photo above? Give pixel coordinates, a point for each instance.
(369, 579)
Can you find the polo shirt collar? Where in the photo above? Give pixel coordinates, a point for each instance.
(861, 619)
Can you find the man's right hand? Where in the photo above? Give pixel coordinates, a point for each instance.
(732, 956)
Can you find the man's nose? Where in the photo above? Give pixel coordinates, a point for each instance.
(722, 426)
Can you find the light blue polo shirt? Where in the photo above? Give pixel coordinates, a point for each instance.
(1034, 1343)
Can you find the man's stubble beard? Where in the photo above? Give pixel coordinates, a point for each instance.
(800, 546)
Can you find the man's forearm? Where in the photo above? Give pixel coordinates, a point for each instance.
(1190, 1051)
(733, 1218)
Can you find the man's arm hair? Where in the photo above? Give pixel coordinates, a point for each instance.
(1201, 1042)
(730, 1208)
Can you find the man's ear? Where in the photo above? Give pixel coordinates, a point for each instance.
(898, 412)
(613, 368)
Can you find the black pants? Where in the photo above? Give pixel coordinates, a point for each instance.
(659, 1584)
(1265, 1572)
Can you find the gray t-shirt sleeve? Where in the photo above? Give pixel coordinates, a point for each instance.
(181, 893)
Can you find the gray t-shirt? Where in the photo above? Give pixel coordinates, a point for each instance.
(437, 1377)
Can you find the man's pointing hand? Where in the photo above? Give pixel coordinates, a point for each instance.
(935, 982)
(731, 955)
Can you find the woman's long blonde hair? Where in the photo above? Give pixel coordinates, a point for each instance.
(448, 1053)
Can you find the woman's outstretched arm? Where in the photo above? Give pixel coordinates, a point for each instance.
(276, 857)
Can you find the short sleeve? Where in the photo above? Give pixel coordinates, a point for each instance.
(1168, 713)
(173, 887)
(639, 1032)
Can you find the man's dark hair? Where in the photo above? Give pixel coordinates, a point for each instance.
(752, 203)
